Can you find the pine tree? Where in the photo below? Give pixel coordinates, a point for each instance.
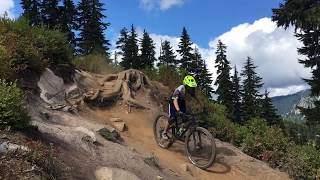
(31, 10)
(122, 45)
(199, 70)
(167, 56)
(147, 57)
(304, 15)
(128, 43)
(251, 85)
(50, 13)
(236, 97)
(207, 81)
(67, 20)
(92, 27)
(223, 81)
(268, 111)
(122, 41)
(202, 75)
(185, 50)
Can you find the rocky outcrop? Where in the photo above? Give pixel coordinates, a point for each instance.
(106, 173)
(60, 112)
(7, 147)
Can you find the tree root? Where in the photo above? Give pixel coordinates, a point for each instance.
(125, 86)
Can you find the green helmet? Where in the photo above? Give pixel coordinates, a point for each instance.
(190, 81)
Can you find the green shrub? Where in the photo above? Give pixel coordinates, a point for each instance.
(263, 142)
(96, 63)
(24, 48)
(241, 133)
(216, 121)
(302, 162)
(300, 133)
(12, 111)
(169, 76)
(151, 73)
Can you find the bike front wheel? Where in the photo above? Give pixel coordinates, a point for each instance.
(200, 147)
(158, 128)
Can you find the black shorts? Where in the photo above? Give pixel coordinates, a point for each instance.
(173, 111)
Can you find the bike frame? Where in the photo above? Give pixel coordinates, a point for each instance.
(191, 124)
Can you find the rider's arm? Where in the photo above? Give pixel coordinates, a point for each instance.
(176, 104)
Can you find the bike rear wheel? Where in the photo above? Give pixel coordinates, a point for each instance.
(158, 128)
(200, 147)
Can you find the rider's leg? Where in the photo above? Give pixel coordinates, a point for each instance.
(167, 123)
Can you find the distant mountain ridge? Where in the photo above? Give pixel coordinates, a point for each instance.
(287, 105)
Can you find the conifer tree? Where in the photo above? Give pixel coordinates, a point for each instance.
(268, 111)
(236, 97)
(31, 10)
(50, 13)
(207, 80)
(128, 44)
(167, 56)
(147, 57)
(122, 41)
(251, 85)
(199, 70)
(304, 15)
(202, 74)
(185, 50)
(67, 20)
(92, 27)
(122, 45)
(223, 81)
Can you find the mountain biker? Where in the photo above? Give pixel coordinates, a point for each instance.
(177, 102)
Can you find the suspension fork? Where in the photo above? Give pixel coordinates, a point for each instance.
(197, 141)
(200, 141)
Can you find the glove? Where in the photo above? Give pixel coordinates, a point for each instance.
(180, 114)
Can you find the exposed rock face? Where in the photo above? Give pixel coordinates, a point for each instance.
(106, 173)
(52, 88)
(7, 147)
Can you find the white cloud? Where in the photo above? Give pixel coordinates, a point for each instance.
(6, 6)
(288, 90)
(161, 4)
(166, 4)
(273, 49)
(148, 4)
(174, 41)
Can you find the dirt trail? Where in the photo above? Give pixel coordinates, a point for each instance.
(140, 136)
(128, 88)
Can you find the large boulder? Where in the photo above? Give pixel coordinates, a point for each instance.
(52, 88)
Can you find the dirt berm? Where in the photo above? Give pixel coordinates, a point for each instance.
(77, 113)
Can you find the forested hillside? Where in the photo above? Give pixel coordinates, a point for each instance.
(69, 38)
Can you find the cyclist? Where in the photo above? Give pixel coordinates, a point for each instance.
(177, 102)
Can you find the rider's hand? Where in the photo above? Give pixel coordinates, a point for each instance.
(180, 114)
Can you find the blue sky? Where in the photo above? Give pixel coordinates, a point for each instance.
(204, 19)
(245, 26)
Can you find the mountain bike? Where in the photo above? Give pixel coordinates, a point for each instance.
(200, 145)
